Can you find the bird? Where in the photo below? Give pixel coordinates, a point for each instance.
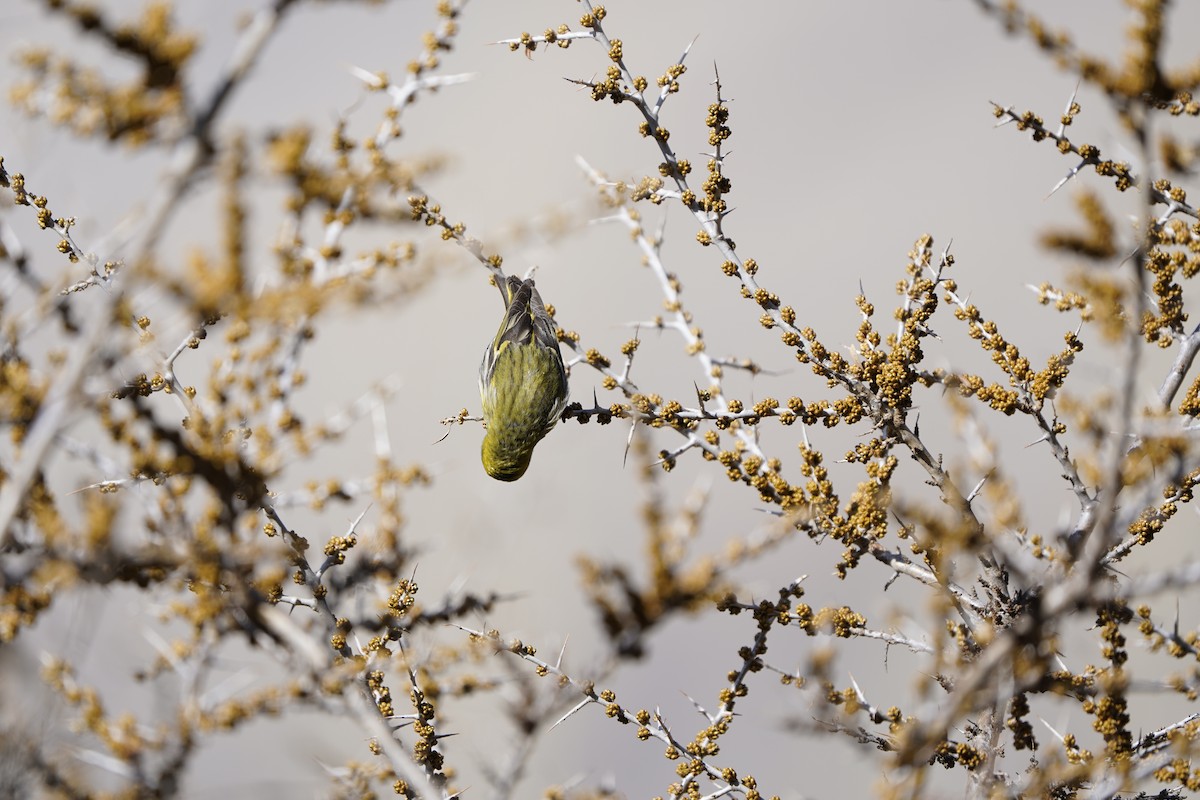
(522, 381)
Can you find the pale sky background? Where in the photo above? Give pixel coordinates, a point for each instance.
(857, 127)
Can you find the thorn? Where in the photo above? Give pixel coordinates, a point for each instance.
(367, 77)
(358, 519)
(98, 485)
(975, 492)
(1062, 126)
(561, 653)
(699, 707)
(1061, 183)
(1051, 729)
(1007, 116)
(662, 232)
(688, 49)
(628, 443)
(572, 712)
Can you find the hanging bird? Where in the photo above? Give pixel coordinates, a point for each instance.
(522, 382)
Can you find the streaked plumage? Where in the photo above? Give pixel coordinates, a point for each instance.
(522, 382)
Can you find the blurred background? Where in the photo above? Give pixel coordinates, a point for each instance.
(856, 129)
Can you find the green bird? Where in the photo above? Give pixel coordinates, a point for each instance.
(522, 382)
